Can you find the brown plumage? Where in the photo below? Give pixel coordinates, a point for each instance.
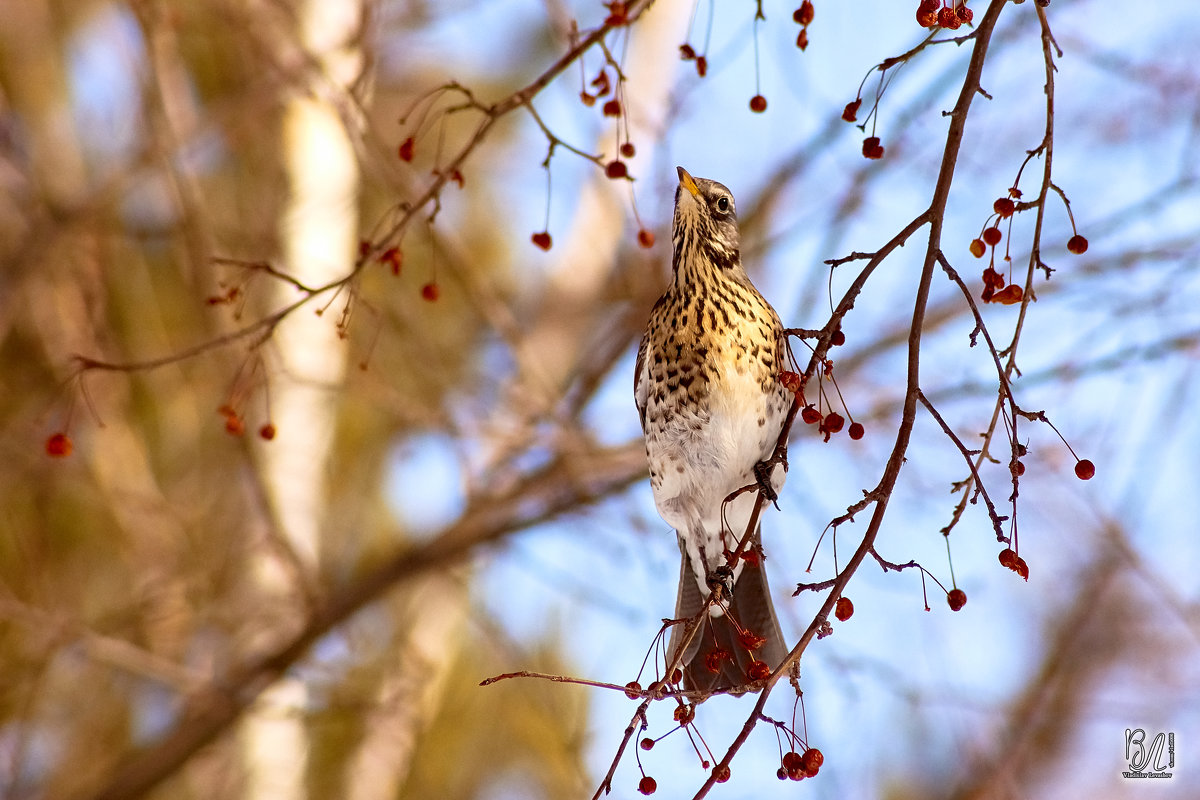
(707, 389)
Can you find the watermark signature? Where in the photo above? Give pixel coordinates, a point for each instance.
(1149, 756)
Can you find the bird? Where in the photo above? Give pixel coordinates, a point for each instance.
(712, 407)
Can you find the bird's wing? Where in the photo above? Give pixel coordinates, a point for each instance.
(641, 388)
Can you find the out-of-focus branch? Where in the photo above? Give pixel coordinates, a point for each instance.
(568, 482)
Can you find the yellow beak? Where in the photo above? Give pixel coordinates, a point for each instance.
(688, 182)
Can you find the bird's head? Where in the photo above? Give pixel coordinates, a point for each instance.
(705, 231)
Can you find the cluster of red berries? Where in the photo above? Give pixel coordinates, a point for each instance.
(797, 766)
(935, 14)
(830, 423)
(1010, 560)
(995, 288)
(871, 146)
(803, 16)
(236, 426)
(751, 641)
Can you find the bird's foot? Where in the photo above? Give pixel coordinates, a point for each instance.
(720, 580)
(762, 474)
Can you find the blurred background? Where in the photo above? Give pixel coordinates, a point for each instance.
(439, 475)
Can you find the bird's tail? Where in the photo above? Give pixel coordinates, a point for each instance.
(718, 657)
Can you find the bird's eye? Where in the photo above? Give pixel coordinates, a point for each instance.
(723, 205)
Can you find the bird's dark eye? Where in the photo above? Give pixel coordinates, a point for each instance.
(723, 205)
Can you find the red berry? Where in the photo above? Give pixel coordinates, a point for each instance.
(647, 743)
(857, 430)
(992, 278)
(850, 112)
(267, 432)
(1020, 469)
(927, 13)
(721, 773)
(394, 258)
(542, 240)
(645, 238)
(790, 380)
(781, 773)
(948, 19)
(59, 445)
(587, 99)
(647, 785)
(758, 670)
(616, 169)
(1077, 244)
(1085, 470)
(406, 149)
(813, 759)
(844, 609)
(992, 236)
(1021, 568)
(758, 104)
(804, 14)
(1009, 295)
(802, 39)
(810, 415)
(833, 422)
(871, 148)
(965, 15)
(1004, 206)
(837, 339)
(977, 248)
(633, 690)
(956, 598)
(701, 66)
(628, 150)
(792, 760)
(751, 640)
(677, 675)
(686, 52)
(430, 292)
(684, 713)
(712, 661)
(234, 425)
(612, 108)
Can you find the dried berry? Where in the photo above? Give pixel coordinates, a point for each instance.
(758, 670)
(542, 239)
(850, 112)
(857, 430)
(844, 609)
(406, 149)
(804, 14)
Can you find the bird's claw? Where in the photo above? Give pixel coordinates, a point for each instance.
(762, 474)
(720, 580)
